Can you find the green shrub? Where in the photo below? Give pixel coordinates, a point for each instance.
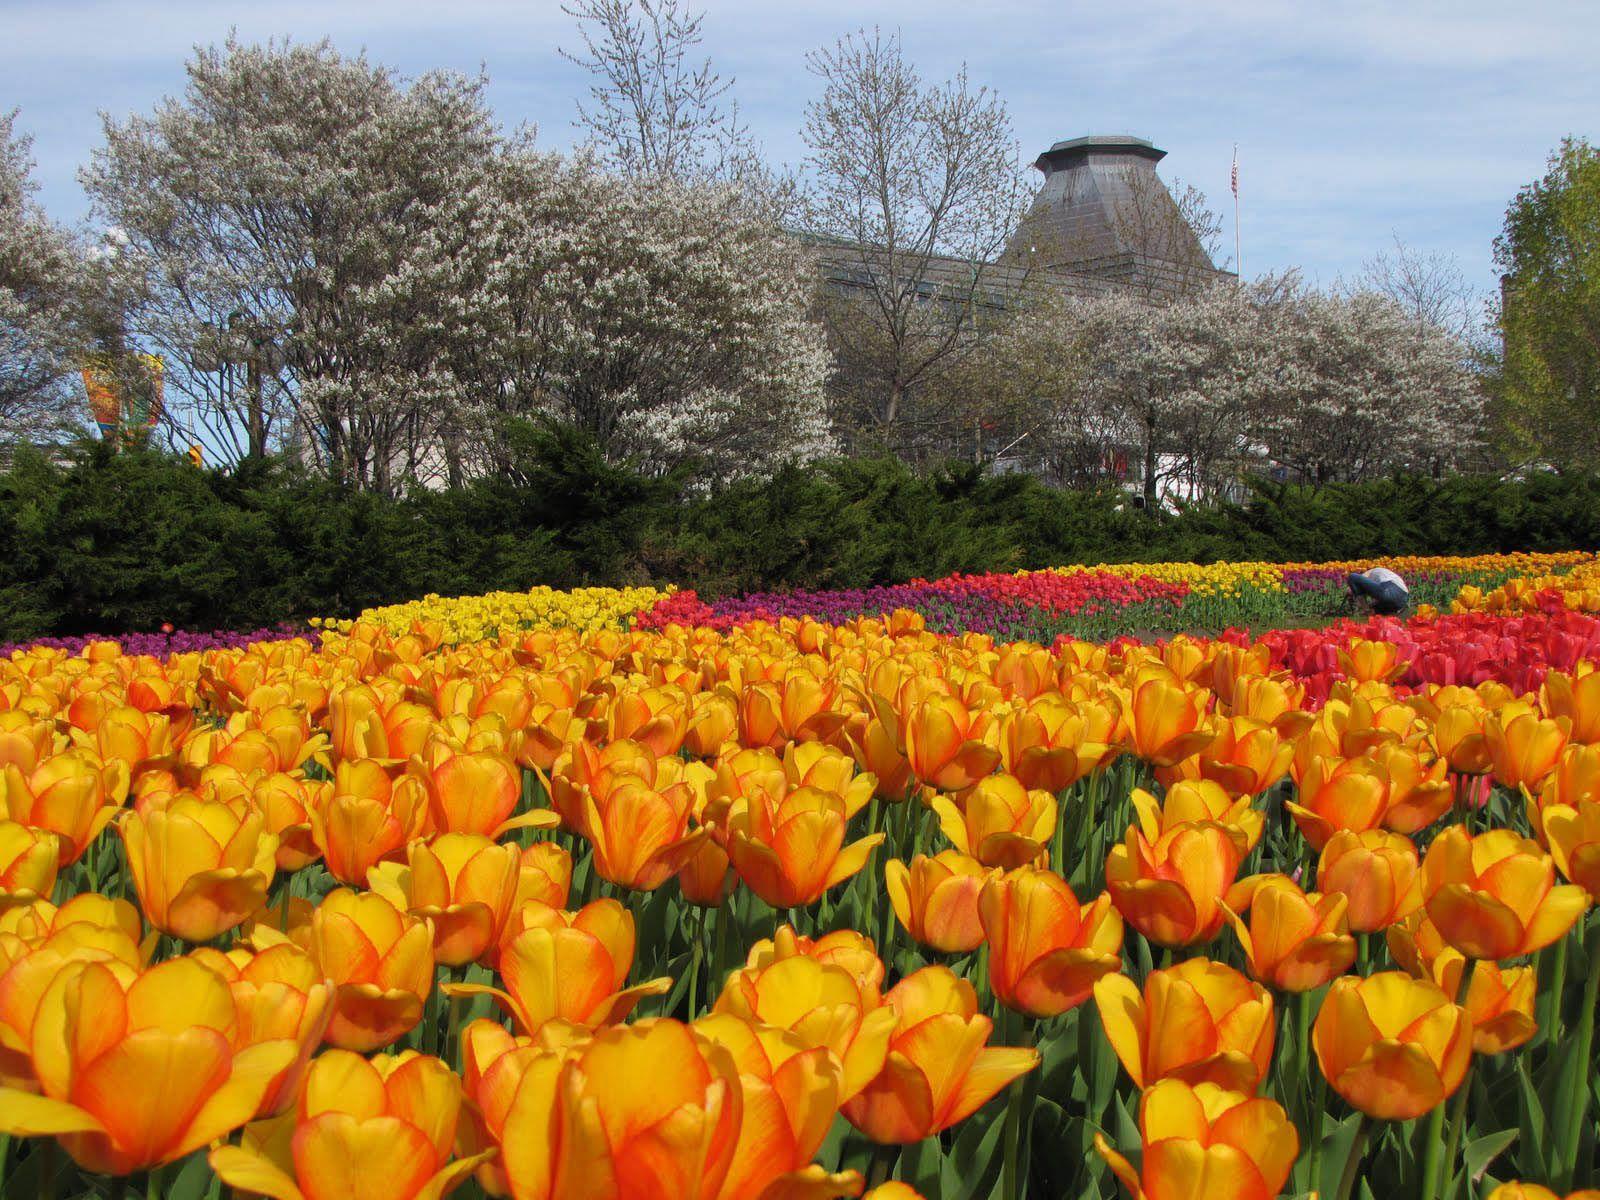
(124, 541)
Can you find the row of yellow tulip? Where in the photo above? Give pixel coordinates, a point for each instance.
(368, 848)
(471, 618)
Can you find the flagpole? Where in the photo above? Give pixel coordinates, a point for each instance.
(1238, 258)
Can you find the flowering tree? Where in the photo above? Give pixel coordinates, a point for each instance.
(40, 317)
(669, 321)
(1354, 386)
(307, 232)
(1196, 390)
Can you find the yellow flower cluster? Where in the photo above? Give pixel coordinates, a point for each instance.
(1230, 579)
(478, 618)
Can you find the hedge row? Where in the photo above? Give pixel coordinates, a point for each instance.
(113, 542)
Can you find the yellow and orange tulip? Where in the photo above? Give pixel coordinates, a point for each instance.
(1495, 896)
(1046, 950)
(1393, 1046)
(1206, 1141)
(1198, 1021)
(939, 1069)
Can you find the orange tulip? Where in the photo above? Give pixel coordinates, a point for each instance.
(1419, 792)
(703, 1129)
(713, 719)
(36, 942)
(381, 1128)
(1576, 697)
(125, 734)
(948, 746)
(568, 966)
(1392, 1046)
(828, 769)
(656, 717)
(544, 873)
(1190, 800)
(1494, 896)
(844, 948)
(1198, 1021)
(1171, 887)
(380, 961)
(1275, 700)
(798, 707)
(999, 822)
(1294, 941)
(164, 1037)
(367, 818)
(1574, 838)
(463, 884)
(936, 899)
(822, 1002)
(1167, 721)
(939, 1070)
(495, 1065)
(477, 792)
(877, 750)
(362, 725)
(583, 771)
(70, 794)
(1045, 949)
(200, 869)
(707, 878)
(791, 852)
(287, 802)
(1339, 793)
(1049, 744)
(277, 993)
(790, 1098)
(27, 864)
(1533, 1191)
(1458, 735)
(1206, 1141)
(1246, 756)
(1377, 872)
(1499, 1000)
(25, 741)
(1523, 746)
(641, 836)
(1365, 661)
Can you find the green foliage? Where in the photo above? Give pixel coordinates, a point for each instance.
(1549, 317)
(124, 541)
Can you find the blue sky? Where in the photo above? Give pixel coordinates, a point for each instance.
(1356, 122)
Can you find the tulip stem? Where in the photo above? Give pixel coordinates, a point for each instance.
(1434, 1153)
(49, 1164)
(1577, 1103)
(1458, 1118)
(1352, 1162)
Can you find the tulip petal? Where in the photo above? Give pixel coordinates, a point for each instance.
(254, 1173)
(1122, 1015)
(23, 1114)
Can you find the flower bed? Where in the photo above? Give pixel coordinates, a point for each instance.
(501, 897)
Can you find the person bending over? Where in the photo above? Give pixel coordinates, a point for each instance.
(1379, 590)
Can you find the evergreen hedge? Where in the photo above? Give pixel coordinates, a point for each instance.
(123, 541)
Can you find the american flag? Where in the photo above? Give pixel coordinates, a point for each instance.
(1236, 171)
